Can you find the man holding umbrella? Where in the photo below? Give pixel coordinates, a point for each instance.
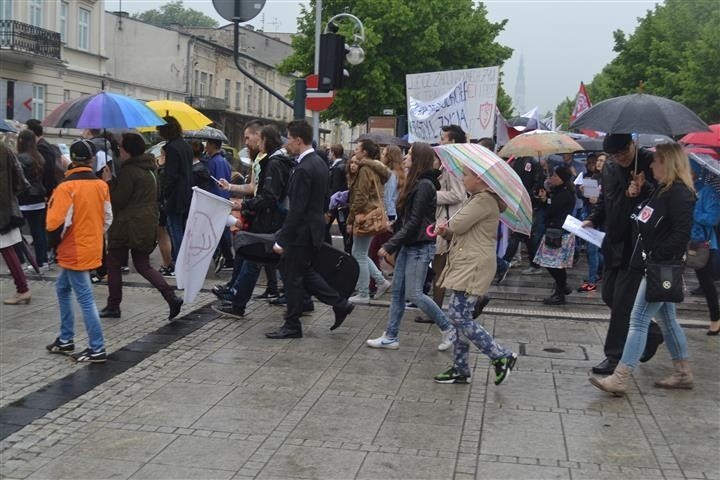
(626, 180)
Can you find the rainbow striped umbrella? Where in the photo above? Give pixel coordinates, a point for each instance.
(498, 175)
(102, 110)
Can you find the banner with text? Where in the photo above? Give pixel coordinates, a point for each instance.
(453, 97)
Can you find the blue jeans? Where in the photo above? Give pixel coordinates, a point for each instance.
(245, 283)
(67, 281)
(360, 247)
(460, 313)
(642, 313)
(176, 229)
(411, 266)
(594, 262)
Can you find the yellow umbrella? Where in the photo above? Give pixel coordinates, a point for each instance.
(187, 116)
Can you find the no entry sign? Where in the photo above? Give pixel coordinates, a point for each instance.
(314, 100)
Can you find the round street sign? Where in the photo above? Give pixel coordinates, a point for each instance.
(246, 9)
(317, 101)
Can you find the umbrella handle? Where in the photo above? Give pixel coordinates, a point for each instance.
(430, 231)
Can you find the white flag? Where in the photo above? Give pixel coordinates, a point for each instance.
(204, 227)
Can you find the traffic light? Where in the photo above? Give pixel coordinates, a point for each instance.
(332, 56)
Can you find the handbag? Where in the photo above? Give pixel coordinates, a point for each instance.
(664, 281)
(698, 252)
(553, 237)
(373, 222)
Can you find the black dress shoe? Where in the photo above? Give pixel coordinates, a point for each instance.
(480, 306)
(230, 310)
(281, 300)
(555, 300)
(284, 332)
(651, 346)
(266, 295)
(110, 313)
(606, 367)
(341, 314)
(175, 303)
(421, 319)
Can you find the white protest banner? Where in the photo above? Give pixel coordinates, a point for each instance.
(204, 227)
(454, 97)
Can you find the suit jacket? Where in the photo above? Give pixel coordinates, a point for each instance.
(307, 190)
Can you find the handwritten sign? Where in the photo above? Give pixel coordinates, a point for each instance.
(454, 97)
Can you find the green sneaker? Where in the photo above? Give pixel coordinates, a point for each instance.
(452, 376)
(503, 366)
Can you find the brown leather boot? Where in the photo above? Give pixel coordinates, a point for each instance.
(681, 378)
(615, 383)
(18, 298)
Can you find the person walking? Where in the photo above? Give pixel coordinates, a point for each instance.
(201, 174)
(628, 167)
(415, 249)
(219, 168)
(337, 182)
(12, 182)
(594, 165)
(135, 212)
(472, 235)
(366, 194)
(663, 222)
(302, 234)
(79, 247)
(32, 200)
(557, 246)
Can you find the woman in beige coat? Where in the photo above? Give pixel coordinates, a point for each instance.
(472, 234)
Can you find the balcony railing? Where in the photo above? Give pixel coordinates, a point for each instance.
(22, 37)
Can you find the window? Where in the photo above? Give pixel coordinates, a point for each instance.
(63, 21)
(260, 102)
(6, 10)
(269, 105)
(211, 85)
(196, 84)
(36, 13)
(238, 95)
(202, 91)
(38, 101)
(278, 109)
(83, 29)
(248, 104)
(227, 93)
(66, 95)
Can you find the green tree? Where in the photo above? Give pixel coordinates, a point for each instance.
(673, 53)
(175, 12)
(401, 37)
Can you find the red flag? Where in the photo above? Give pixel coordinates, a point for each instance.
(582, 103)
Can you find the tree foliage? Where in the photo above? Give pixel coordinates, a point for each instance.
(175, 12)
(401, 37)
(674, 53)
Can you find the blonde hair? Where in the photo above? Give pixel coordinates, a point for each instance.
(677, 165)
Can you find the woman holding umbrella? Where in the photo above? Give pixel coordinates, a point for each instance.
(12, 182)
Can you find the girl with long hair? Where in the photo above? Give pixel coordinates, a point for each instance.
(414, 247)
(33, 200)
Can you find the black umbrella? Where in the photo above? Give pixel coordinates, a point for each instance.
(30, 255)
(640, 113)
(206, 133)
(382, 138)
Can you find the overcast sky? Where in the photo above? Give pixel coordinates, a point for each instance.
(562, 42)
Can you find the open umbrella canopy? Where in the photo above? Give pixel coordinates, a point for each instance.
(381, 138)
(206, 133)
(188, 117)
(102, 110)
(640, 113)
(539, 143)
(5, 126)
(710, 169)
(498, 175)
(706, 139)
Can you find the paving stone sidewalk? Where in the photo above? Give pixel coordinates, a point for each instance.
(224, 402)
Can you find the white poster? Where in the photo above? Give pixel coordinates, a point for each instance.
(454, 97)
(204, 227)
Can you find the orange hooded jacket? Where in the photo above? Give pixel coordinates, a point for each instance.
(78, 215)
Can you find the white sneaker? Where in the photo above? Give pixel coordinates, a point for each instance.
(43, 268)
(383, 342)
(448, 339)
(359, 299)
(381, 289)
(532, 271)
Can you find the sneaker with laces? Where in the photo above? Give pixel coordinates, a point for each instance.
(448, 339)
(359, 299)
(588, 287)
(381, 289)
(451, 375)
(90, 355)
(503, 367)
(383, 342)
(64, 347)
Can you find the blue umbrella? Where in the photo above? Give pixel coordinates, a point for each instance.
(6, 127)
(103, 110)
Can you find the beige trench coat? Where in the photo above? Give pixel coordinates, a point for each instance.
(471, 260)
(450, 198)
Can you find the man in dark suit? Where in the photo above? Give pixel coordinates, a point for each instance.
(302, 234)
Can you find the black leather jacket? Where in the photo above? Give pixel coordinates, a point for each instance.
(269, 206)
(418, 212)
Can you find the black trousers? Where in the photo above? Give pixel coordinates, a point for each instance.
(299, 276)
(619, 287)
(705, 278)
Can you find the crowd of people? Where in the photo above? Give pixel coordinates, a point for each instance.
(414, 228)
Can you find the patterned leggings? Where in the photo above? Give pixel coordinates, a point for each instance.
(460, 314)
